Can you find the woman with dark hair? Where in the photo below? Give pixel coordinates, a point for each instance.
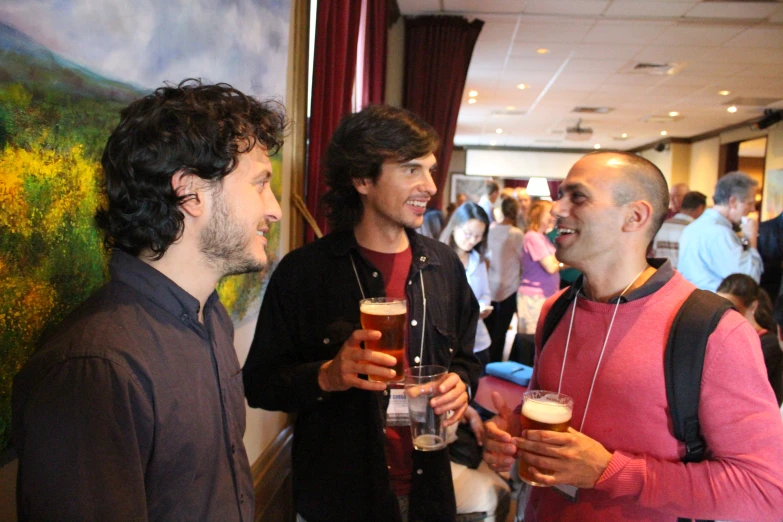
(753, 303)
(540, 268)
(467, 233)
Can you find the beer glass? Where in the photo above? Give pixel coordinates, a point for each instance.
(388, 316)
(544, 410)
(421, 386)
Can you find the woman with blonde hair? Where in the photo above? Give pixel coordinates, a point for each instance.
(540, 268)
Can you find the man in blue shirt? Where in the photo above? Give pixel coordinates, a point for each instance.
(710, 249)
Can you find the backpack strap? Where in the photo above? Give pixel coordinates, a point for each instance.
(683, 364)
(556, 312)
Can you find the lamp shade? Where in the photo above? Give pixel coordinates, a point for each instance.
(538, 187)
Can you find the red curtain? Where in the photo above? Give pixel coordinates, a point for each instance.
(334, 66)
(437, 55)
(376, 30)
(514, 183)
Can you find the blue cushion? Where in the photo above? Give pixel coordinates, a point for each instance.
(511, 371)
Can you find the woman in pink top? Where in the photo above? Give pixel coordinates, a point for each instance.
(540, 268)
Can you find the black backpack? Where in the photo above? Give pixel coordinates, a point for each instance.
(683, 361)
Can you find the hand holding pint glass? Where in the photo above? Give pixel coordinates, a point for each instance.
(544, 410)
(388, 316)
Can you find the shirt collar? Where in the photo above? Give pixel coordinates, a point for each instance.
(155, 286)
(344, 242)
(664, 271)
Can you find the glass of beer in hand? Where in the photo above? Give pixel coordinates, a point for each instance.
(544, 410)
(388, 316)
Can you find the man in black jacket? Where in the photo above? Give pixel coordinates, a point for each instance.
(348, 463)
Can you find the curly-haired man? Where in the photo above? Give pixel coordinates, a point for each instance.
(133, 408)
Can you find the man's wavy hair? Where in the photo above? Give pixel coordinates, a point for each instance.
(193, 127)
(361, 144)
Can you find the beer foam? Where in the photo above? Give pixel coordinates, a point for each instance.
(546, 411)
(398, 308)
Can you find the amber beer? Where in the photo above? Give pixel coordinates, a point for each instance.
(388, 316)
(544, 410)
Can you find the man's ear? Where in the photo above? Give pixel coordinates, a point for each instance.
(190, 191)
(638, 216)
(361, 185)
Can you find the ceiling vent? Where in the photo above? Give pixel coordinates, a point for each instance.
(661, 118)
(578, 133)
(656, 69)
(593, 110)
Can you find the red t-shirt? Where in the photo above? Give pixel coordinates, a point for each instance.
(394, 269)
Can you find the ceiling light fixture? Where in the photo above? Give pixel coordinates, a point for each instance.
(473, 94)
(510, 108)
(522, 86)
(597, 146)
(664, 133)
(499, 131)
(732, 109)
(541, 50)
(674, 114)
(472, 100)
(493, 143)
(724, 93)
(624, 135)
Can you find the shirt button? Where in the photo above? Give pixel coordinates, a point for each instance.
(414, 322)
(184, 317)
(410, 282)
(419, 471)
(451, 350)
(422, 259)
(319, 398)
(417, 359)
(375, 274)
(385, 392)
(384, 431)
(326, 340)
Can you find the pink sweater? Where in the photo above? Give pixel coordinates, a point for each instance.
(628, 414)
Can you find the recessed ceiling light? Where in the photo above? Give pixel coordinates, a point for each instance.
(499, 131)
(732, 109)
(473, 94)
(724, 93)
(510, 108)
(674, 114)
(522, 86)
(493, 143)
(597, 146)
(472, 100)
(664, 133)
(541, 50)
(624, 135)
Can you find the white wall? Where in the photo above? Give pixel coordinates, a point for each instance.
(519, 164)
(704, 166)
(662, 160)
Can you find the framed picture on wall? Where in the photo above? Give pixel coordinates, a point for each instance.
(772, 196)
(472, 186)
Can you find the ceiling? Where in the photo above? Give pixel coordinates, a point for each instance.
(592, 48)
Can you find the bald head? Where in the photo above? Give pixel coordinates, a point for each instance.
(637, 179)
(676, 193)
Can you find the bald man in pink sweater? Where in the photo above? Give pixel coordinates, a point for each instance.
(607, 353)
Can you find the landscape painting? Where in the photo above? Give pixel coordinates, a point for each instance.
(67, 67)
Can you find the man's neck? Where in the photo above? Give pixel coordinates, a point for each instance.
(387, 238)
(723, 210)
(604, 285)
(195, 278)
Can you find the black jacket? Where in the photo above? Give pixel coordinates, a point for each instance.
(770, 247)
(310, 308)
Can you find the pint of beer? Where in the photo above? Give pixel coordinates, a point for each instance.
(544, 410)
(388, 316)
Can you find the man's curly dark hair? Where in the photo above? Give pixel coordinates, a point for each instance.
(360, 145)
(193, 127)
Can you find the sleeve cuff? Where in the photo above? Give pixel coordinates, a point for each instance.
(623, 476)
(310, 391)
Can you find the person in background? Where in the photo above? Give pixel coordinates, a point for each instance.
(710, 249)
(488, 198)
(133, 409)
(353, 457)
(754, 304)
(770, 246)
(676, 194)
(433, 223)
(523, 198)
(505, 245)
(451, 207)
(467, 233)
(667, 241)
(540, 267)
(568, 274)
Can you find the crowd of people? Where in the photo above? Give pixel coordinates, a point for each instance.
(133, 408)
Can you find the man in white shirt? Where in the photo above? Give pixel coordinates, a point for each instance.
(667, 240)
